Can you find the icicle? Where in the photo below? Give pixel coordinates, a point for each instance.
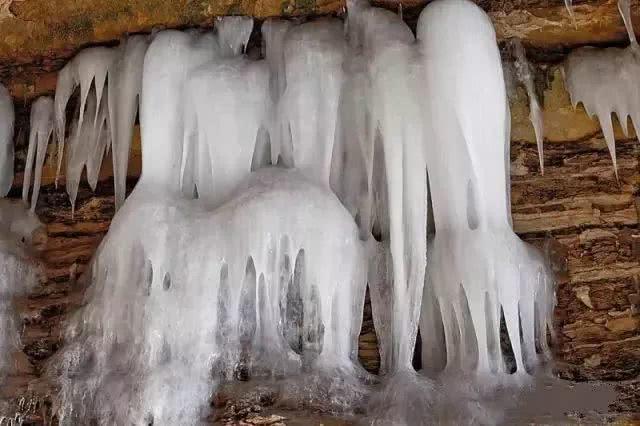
(125, 84)
(6, 141)
(314, 53)
(624, 6)
(568, 4)
(233, 34)
(42, 124)
(525, 76)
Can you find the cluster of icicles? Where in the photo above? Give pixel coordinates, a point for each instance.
(17, 274)
(274, 191)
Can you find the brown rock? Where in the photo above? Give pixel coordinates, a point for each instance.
(624, 324)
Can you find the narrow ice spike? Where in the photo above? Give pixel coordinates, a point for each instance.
(6, 141)
(624, 6)
(42, 127)
(125, 85)
(525, 76)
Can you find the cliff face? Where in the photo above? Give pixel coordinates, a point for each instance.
(584, 220)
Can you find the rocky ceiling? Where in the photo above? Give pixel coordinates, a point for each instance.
(36, 36)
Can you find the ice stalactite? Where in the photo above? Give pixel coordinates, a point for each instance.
(568, 4)
(110, 78)
(607, 81)
(624, 6)
(478, 267)
(125, 85)
(313, 54)
(242, 260)
(525, 76)
(42, 124)
(6, 141)
(388, 49)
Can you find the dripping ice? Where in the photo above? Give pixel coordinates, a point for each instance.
(606, 81)
(273, 191)
(18, 228)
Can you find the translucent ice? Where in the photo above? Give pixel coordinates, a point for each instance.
(41, 131)
(6, 141)
(525, 76)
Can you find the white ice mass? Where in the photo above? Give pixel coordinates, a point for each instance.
(607, 81)
(274, 190)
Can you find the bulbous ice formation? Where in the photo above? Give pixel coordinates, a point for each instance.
(477, 265)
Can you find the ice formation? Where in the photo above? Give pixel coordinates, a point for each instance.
(606, 81)
(273, 190)
(40, 133)
(525, 76)
(110, 81)
(6, 141)
(478, 267)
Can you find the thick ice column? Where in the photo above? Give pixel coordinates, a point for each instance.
(125, 85)
(170, 57)
(314, 54)
(217, 94)
(42, 125)
(6, 141)
(477, 264)
(389, 49)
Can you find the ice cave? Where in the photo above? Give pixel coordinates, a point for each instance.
(386, 214)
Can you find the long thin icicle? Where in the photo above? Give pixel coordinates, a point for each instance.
(525, 76)
(42, 124)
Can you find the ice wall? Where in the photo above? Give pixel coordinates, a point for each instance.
(606, 81)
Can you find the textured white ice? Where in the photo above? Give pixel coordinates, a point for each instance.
(41, 130)
(477, 265)
(242, 261)
(219, 262)
(18, 274)
(103, 115)
(607, 81)
(6, 141)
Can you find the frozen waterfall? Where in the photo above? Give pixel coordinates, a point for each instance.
(274, 191)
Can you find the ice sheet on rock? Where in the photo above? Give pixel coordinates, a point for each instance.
(17, 273)
(232, 280)
(525, 76)
(478, 267)
(6, 141)
(125, 85)
(41, 131)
